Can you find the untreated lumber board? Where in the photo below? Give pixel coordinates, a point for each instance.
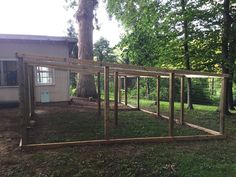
(65, 66)
(222, 104)
(27, 92)
(22, 99)
(154, 69)
(131, 106)
(207, 130)
(125, 66)
(158, 95)
(126, 90)
(32, 89)
(106, 102)
(40, 57)
(168, 139)
(181, 120)
(99, 93)
(171, 104)
(119, 90)
(138, 92)
(116, 97)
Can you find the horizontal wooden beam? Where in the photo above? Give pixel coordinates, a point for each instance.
(40, 57)
(207, 130)
(159, 70)
(167, 139)
(63, 66)
(127, 69)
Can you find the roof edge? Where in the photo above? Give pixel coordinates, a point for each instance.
(37, 38)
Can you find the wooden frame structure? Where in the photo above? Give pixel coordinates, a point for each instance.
(26, 91)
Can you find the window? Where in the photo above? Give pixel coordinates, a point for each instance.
(44, 75)
(8, 73)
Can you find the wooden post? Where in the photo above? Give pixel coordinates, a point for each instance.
(158, 95)
(222, 103)
(116, 97)
(125, 86)
(181, 121)
(171, 104)
(31, 89)
(99, 93)
(106, 102)
(27, 92)
(21, 82)
(119, 90)
(138, 93)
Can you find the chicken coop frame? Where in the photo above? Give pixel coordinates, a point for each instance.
(26, 63)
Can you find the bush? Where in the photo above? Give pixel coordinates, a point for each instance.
(72, 91)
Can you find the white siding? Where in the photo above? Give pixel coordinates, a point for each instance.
(57, 92)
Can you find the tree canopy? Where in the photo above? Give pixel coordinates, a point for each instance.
(181, 34)
(103, 52)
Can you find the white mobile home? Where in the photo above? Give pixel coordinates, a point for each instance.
(51, 85)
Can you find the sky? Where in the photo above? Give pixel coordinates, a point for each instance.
(49, 17)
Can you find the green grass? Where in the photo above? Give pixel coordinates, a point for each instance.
(81, 125)
(203, 115)
(190, 159)
(198, 159)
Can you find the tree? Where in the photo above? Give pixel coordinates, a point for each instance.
(228, 50)
(73, 50)
(180, 34)
(86, 85)
(186, 53)
(225, 46)
(103, 52)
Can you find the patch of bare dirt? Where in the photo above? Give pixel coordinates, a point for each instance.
(9, 130)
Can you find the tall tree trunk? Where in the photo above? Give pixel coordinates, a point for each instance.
(186, 56)
(225, 49)
(86, 85)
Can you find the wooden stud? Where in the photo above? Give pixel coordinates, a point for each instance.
(21, 83)
(116, 97)
(106, 102)
(171, 104)
(126, 90)
(138, 92)
(222, 103)
(31, 90)
(207, 130)
(2, 75)
(119, 90)
(99, 93)
(27, 92)
(181, 120)
(124, 140)
(158, 95)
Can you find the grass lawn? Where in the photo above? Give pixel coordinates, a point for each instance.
(86, 125)
(193, 159)
(206, 116)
